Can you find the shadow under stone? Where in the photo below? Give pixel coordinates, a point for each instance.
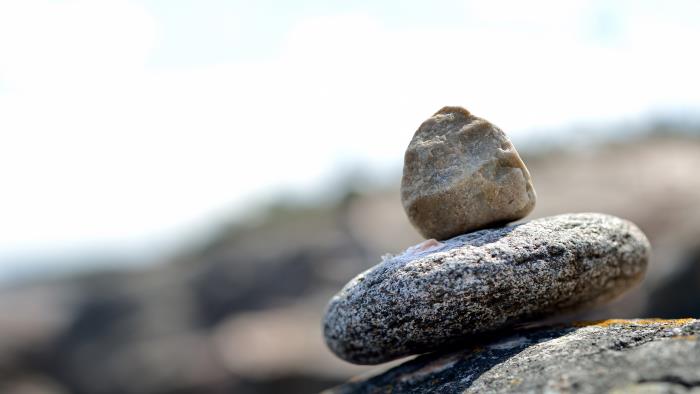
(455, 368)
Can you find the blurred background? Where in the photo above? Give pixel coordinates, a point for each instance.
(185, 184)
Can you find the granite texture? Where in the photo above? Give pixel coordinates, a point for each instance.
(614, 356)
(462, 173)
(439, 293)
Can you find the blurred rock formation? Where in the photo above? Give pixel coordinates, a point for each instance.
(242, 313)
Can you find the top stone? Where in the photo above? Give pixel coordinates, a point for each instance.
(461, 173)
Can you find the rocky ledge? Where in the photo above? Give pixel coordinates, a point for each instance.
(612, 356)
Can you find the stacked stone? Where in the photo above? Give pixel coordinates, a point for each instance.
(463, 181)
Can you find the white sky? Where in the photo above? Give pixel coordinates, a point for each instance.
(127, 122)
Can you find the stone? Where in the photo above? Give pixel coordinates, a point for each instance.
(462, 173)
(614, 356)
(431, 297)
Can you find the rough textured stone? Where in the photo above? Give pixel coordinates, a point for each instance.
(473, 283)
(461, 173)
(614, 356)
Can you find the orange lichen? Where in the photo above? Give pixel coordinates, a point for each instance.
(686, 337)
(637, 322)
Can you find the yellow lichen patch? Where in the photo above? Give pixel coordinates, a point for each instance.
(635, 322)
(686, 337)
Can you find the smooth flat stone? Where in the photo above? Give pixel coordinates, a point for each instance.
(438, 294)
(462, 173)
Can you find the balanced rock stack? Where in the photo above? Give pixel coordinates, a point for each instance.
(463, 181)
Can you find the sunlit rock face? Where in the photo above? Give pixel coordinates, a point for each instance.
(612, 356)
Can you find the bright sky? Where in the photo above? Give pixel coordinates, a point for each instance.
(124, 123)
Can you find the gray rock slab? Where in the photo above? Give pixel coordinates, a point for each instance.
(424, 299)
(614, 356)
(462, 173)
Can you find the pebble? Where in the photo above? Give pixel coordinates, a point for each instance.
(462, 173)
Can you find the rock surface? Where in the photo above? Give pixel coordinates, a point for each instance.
(614, 356)
(477, 282)
(461, 173)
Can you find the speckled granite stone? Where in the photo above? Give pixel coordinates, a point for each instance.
(462, 173)
(612, 356)
(430, 297)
